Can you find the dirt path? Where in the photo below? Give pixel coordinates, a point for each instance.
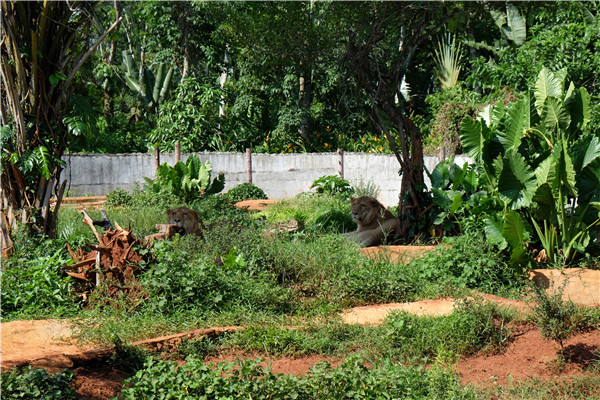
(47, 344)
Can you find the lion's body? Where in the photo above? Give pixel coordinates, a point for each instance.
(374, 221)
(184, 218)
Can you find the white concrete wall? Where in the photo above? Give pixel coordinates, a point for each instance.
(279, 175)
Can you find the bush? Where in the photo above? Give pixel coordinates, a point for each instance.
(37, 384)
(118, 198)
(183, 281)
(247, 379)
(333, 185)
(466, 261)
(33, 284)
(467, 330)
(244, 191)
(555, 317)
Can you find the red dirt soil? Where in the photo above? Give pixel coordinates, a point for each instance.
(46, 343)
(528, 355)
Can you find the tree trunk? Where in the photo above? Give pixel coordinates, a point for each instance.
(306, 94)
(36, 107)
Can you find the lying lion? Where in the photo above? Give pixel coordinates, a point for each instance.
(374, 221)
(185, 218)
(180, 220)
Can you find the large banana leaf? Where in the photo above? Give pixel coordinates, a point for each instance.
(515, 231)
(585, 151)
(547, 85)
(517, 183)
(544, 202)
(493, 232)
(515, 28)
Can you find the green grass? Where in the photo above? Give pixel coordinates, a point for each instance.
(303, 279)
(572, 388)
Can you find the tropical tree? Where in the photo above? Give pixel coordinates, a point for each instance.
(44, 45)
(381, 42)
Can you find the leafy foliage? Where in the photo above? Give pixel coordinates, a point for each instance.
(151, 88)
(37, 384)
(162, 380)
(555, 317)
(537, 156)
(33, 284)
(333, 185)
(188, 181)
(467, 330)
(245, 191)
(447, 60)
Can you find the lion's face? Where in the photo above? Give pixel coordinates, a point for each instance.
(364, 209)
(184, 218)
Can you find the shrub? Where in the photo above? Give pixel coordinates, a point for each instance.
(182, 281)
(555, 318)
(118, 198)
(244, 191)
(333, 185)
(33, 284)
(247, 379)
(37, 384)
(466, 261)
(467, 330)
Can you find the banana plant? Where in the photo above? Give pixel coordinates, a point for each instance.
(545, 166)
(152, 89)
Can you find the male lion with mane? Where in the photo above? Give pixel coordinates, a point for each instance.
(374, 221)
(184, 218)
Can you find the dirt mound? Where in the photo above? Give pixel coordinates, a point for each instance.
(255, 205)
(395, 254)
(530, 356)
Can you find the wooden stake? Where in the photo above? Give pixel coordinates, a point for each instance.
(249, 164)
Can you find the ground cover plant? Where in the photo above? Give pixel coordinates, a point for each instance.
(33, 383)
(353, 379)
(302, 279)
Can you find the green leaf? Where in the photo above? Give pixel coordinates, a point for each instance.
(493, 231)
(457, 201)
(547, 85)
(472, 138)
(515, 28)
(566, 171)
(592, 152)
(518, 258)
(440, 177)
(555, 115)
(546, 171)
(545, 203)
(518, 122)
(579, 109)
(517, 183)
(57, 77)
(515, 231)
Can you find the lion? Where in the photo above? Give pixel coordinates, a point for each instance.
(374, 221)
(184, 218)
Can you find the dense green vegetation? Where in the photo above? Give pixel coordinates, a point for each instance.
(266, 283)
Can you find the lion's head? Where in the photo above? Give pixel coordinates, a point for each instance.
(367, 209)
(184, 218)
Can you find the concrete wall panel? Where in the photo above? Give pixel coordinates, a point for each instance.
(279, 175)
